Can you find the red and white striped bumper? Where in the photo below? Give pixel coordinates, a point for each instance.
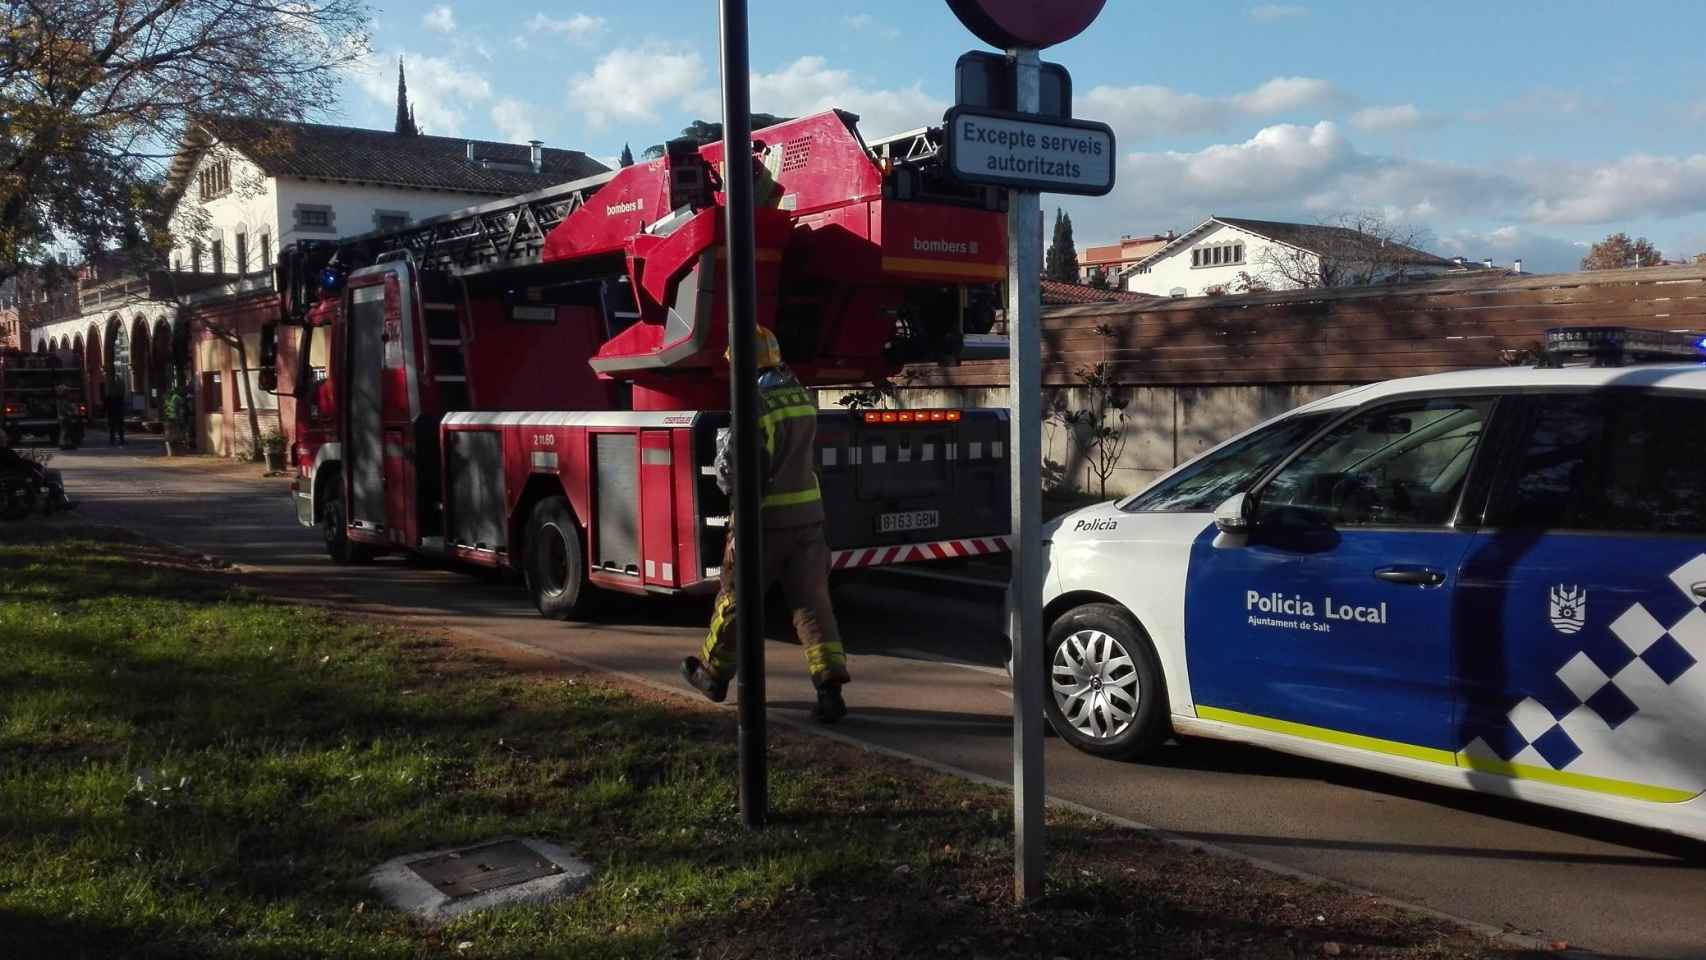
(915, 552)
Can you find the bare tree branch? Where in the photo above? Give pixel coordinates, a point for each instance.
(95, 96)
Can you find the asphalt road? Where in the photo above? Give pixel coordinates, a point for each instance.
(926, 657)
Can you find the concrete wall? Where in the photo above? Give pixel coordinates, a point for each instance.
(1164, 426)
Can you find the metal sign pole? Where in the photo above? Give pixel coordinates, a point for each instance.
(1024, 378)
(743, 396)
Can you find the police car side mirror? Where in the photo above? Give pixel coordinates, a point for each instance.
(1234, 515)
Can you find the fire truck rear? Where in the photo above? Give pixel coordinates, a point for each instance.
(32, 387)
(538, 384)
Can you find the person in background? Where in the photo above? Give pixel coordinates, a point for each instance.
(115, 417)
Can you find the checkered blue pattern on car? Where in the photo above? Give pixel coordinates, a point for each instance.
(1611, 675)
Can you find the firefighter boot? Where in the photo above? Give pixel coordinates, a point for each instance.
(830, 707)
(701, 680)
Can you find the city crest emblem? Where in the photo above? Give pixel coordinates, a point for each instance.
(1569, 608)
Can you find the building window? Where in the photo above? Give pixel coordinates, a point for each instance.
(242, 253)
(266, 251)
(315, 218)
(215, 179)
(390, 219)
(1219, 255)
(212, 393)
(219, 256)
(195, 256)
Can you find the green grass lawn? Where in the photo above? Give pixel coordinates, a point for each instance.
(188, 770)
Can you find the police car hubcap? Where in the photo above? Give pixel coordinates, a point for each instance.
(1095, 684)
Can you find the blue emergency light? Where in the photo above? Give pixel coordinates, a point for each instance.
(1619, 347)
(331, 279)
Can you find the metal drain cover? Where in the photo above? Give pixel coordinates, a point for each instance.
(476, 870)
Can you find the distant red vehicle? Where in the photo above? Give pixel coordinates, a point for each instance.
(537, 384)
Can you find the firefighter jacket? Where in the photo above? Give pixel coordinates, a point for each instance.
(787, 422)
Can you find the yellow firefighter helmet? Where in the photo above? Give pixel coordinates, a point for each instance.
(767, 353)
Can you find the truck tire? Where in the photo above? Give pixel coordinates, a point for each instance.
(553, 565)
(335, 531)
(1105, 692)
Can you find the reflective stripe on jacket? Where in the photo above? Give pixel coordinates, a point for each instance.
(788, 421)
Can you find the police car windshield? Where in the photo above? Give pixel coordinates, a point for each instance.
(1232, 469)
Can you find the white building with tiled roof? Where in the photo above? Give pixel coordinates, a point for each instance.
(243, 188)
(1231, 255)
(247, 187)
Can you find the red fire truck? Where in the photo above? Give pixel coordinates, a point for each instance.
(538, 384)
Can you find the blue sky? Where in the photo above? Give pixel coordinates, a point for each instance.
(1503, 130)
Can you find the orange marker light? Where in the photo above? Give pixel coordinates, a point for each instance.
(890, 417)
(873, 418)
(937, 416)
(953, 416)
(906, 417)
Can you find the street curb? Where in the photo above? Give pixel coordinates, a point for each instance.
(1504, 937)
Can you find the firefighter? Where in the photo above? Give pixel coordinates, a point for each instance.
(795, 551)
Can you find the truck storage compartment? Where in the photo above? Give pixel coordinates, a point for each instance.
(475, 467)
(616, 539)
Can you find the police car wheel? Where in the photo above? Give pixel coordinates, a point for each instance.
(1105, 694)
(555, 572)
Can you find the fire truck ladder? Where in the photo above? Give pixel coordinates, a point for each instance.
(499, 235)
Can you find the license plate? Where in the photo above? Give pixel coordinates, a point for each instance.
(909, 520)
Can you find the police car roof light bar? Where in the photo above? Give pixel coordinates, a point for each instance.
(1619, 346)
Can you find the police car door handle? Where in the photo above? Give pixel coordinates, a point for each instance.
(1699, 590)
(1410, 576)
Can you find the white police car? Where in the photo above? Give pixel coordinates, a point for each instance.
(1491, 579)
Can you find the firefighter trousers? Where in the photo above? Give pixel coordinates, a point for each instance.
(798, 558)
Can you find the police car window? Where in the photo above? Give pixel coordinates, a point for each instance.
(1232, 469)
(1399, 465)
(1632, 463)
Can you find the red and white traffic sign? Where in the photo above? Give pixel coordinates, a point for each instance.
(1033, 24)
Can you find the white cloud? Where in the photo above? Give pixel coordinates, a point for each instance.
(1145, 111)
(1542, 103)
(1638, 185)
(579, 28)
(439, 88)
(810, 85)
(515, 120)
(1293, 172)
(1273, 12)
(864, 21)
(440, 18)
(1283, 94)
(1388, 119)
(1539, 253)
(633, 83)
